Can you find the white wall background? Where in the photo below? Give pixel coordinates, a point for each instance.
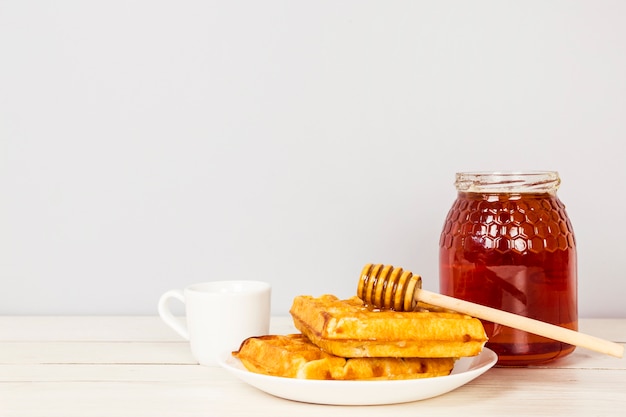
(146, 145)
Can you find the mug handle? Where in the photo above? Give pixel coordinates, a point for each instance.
(166, 313)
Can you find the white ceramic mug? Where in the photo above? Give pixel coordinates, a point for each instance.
(219, 315)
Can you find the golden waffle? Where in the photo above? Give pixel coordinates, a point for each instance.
(348, 328)
(294, 356)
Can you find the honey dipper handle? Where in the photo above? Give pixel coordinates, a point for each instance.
(522, 323)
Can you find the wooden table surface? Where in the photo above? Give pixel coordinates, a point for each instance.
(137, 366)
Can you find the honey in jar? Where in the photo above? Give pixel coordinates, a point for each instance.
(508, 243)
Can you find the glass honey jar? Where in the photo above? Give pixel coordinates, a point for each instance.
(508, 243)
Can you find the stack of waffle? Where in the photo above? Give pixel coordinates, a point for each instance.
(347, 340)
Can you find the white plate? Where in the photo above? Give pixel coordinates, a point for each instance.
(363, 392)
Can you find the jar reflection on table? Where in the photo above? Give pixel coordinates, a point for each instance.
(508, 243)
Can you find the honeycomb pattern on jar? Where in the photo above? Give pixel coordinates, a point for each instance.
(529, 225)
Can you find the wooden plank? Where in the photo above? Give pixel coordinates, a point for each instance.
(95, 353)
(179, 353)
(553, 392)
(114, 366)
(109, 373)
(510, 392)
(101, 328)
(78, 328)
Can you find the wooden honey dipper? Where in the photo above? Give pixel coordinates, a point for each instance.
(386, 287)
